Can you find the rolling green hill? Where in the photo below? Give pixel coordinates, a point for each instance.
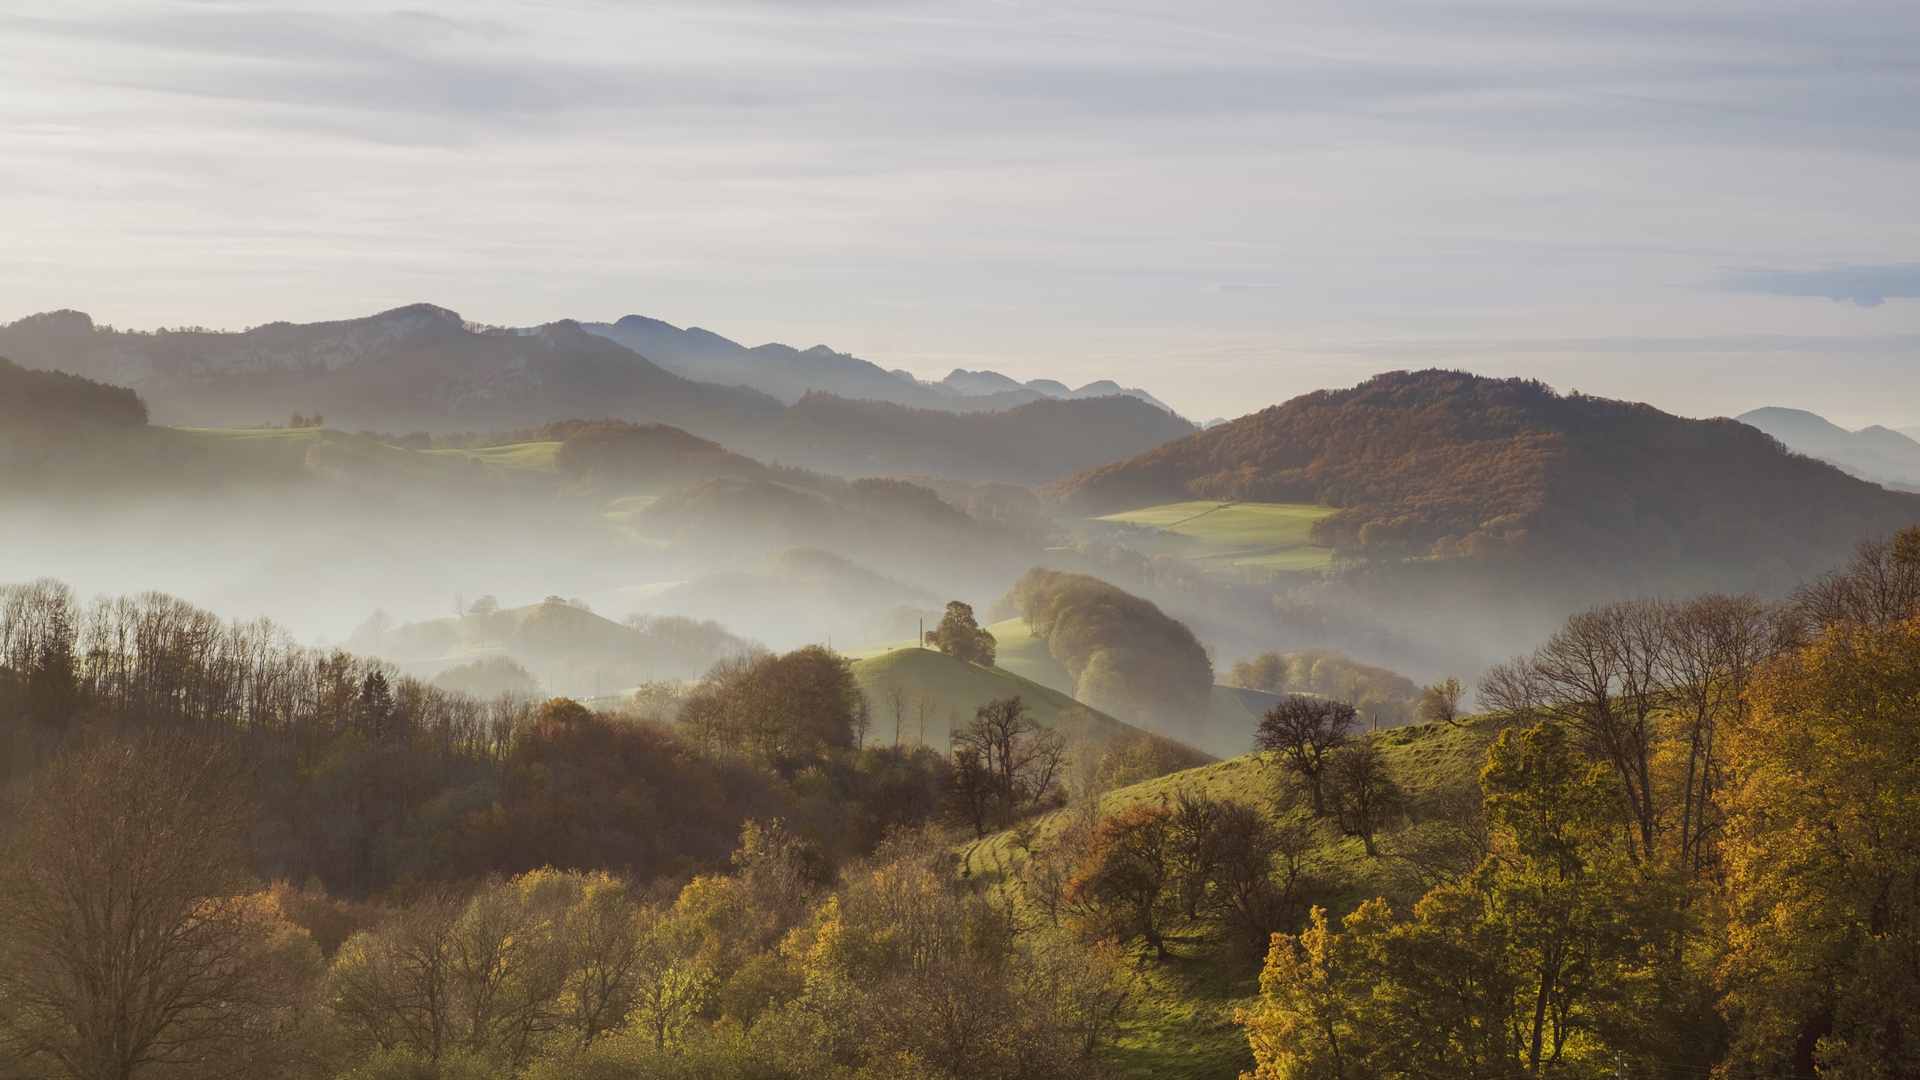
(959, 688)
(1219, 535)
(1182, 1016)
(1232, 712)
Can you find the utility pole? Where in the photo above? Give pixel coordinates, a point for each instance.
(921, 641)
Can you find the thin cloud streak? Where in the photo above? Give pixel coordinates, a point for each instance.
(1060, 190)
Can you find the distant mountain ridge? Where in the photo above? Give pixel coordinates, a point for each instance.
(413, 366)
(1446, 464)
(423, 368)
(789, 374)
(1876, 453)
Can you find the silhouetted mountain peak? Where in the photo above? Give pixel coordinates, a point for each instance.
(1873, 453)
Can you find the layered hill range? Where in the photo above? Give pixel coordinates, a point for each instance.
(1885, 456)
(1443, 466)
(421, 368)
(790, 374)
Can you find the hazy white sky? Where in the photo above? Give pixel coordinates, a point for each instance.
(1226, 203)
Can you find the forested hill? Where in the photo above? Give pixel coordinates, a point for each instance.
(1445, 463)
(40, 397)
(1027, 444)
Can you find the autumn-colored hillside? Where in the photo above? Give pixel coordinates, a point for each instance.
(1445, 463)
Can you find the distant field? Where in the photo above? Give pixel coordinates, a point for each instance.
(541, 456)
(1220, 535)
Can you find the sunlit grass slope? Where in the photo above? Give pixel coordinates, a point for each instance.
(1221, 535)
(959, 688)
(1182, 1016)
(1232, 713)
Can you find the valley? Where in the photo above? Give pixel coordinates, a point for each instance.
(1099, 721)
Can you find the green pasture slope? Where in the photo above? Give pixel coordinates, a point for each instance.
(960, 688)
(1232, 713)
(1181, 1024)
(1218, 536)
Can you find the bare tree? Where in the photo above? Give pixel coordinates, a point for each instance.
(130, 941)
(1881, 585)
(897, 704)
(1021, 761)
(924, 706)
(1304, 731)
(1601, 676)
(1440, 703)
(1715, 645)
(1366, 800)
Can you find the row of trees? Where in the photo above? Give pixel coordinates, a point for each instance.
(368, 778)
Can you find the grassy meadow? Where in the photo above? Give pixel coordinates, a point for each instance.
(1220, 536)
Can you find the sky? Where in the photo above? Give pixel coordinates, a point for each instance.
(1708, 205)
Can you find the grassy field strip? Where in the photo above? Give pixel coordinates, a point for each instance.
(1216, 534)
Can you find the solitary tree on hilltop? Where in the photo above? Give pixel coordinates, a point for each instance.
(958, 635)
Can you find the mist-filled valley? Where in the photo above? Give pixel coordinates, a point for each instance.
(517, 706)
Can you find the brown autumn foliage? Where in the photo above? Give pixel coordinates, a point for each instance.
(1449, 464)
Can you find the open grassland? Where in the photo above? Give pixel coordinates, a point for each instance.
(1216, 535)
(1181, 1018)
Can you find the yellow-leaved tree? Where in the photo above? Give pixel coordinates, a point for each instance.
(1823, 860)
(1536, 966)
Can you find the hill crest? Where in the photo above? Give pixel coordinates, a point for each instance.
(1448, 464)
